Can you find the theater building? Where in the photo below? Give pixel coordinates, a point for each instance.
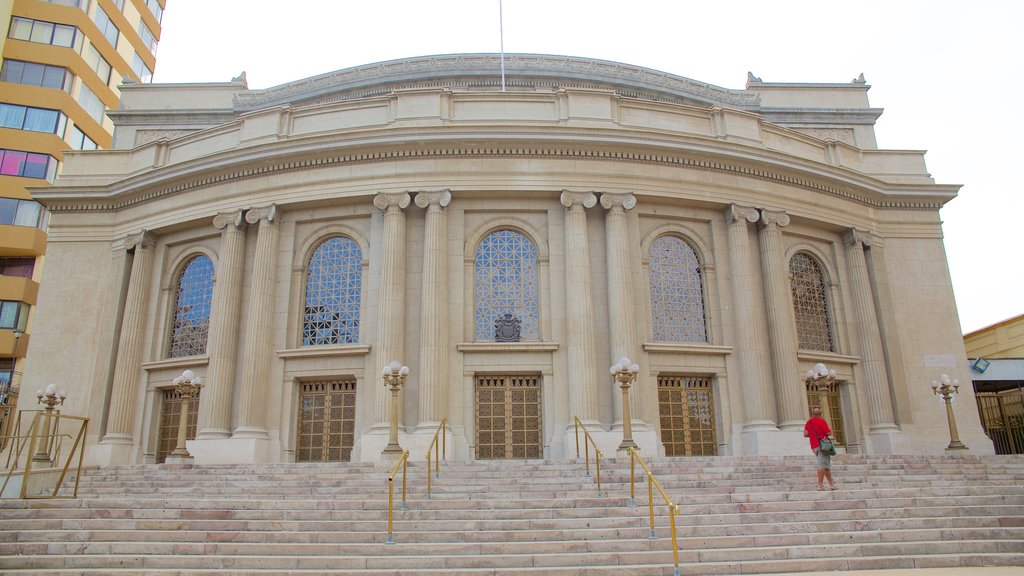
(507, 240)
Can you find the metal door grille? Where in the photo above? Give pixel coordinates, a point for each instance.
(835, 410)
(170, 417)
(327, 421)
(1002, 415)
(508, 417)
(687, 409)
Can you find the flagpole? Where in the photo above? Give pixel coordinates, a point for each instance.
(501, 35)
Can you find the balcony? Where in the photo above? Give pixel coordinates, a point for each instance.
(18, 289)
(22, 241)
(7, 341)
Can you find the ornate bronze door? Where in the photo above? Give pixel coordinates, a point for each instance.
(687, 409)
(835, 411)
(327, 421)
(170, 417)
(1002, 415)
(508, 417)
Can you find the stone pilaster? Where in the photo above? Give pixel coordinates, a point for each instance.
(758, 400)
(789, 390)
(121, 414)
(880, 412)
(433, 375)
(582, 353)
(258, 348)
(391, 304)
(215, 403)
(621, 321)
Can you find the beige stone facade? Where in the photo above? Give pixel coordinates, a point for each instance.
(608, 209)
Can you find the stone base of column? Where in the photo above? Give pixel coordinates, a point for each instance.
(237, 450)
(111, 451)
(889, 442)
(177, 459)
(373, 443)
(775, 443)
(607, 440)
(645, 438)
(213, 434)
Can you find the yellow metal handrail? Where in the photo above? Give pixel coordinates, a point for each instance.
(53, 439)
(587, 441)
(652, 483)
(441, 430)
(403, 461)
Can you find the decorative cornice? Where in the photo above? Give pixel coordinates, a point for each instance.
(440, 198)
(265, 213)
(609, 200)
(571, 199)
(736, 213)
(385, 200)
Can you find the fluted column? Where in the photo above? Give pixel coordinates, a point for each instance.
(391, 306)
(789, 389)
(580, 308)
(433, 320)
(121, 414)
(621, 321)
(758, 400)
(215, 404)
(880, 412)
(259, 330)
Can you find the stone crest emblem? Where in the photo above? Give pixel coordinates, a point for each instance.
(507, 328)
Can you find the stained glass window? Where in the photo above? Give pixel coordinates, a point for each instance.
(810, 304)
(677, 291)
(333, 290)
(506, 283)
(192, 296)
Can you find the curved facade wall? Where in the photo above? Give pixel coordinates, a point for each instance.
(508, 246)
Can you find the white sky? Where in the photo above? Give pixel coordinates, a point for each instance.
(948, 74)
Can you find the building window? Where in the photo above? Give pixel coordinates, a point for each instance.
(92, 104)
(14, 212)
(45, 32)
(147, 37)
(72, 3)
(27, 164)
(810, 304)
(106, 26)
(6, 395)
(119, 4)
(17, 267)
(156, 9)
(334, 281)
(98, 64)
(32, 119)
(677, 291)
(32, 74)
(79, 141)
(141, 70)
(13, 315)
(507, 284)
(192, 296)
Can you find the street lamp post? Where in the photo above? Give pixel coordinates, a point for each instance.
(946, 388)
(50, 399)
(394, 379)
(187, 385)
(624, 373)
(820, 379)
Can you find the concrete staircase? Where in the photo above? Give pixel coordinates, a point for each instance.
(739, 515)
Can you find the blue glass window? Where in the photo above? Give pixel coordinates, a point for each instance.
(333, 291)
(810, 304)
(677, 292)
(193, 294)
(506, 283)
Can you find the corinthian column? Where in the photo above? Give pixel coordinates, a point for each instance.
(121, 414)
(433, 324)
(621, 322)
(391, 304)
(259, 330)
(880, 411)
(789, 389)
(580, 308)
(758, 400)
(215, 406)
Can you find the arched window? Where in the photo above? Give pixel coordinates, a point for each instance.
(506, 287)
(677, 291)
(192, 295)
(334, 282)
(810, 304)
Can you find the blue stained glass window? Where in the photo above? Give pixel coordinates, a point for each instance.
(677, 292)
(506, 283)
(333, 291)
(193, 295)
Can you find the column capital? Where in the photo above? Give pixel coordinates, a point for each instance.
(233, 217)
(385, 200)
(610, 200)
(141, 239)
(769, 218)
(267, 213)
(855, 236)
(570, 199)
(439, 198)
(735, 213)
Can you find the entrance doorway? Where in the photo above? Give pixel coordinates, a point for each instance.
(828, 398)
(1001, 408)
(170, 418)
(508, 417)
(326, 421)
(686, 406)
